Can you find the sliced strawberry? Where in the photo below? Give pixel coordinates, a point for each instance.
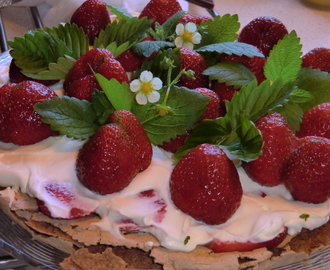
(306, 173)
(315, 122)
(263, 32)
(218, 246)
(93, 17)
(205, 185)
(62, 195)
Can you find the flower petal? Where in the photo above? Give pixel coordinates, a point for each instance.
(146, 76)
(179, 29)
(153, 97)
(141, 99)
(196, 38)
(191, 27)
(156, 83)
(178, 42)
(188, 45)
(135, 85)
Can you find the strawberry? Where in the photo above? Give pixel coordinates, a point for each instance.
(306, 173)
(211, 112)
(315, 122)
(263, 32)
(317, 58)
(278, 136)
(191, 60)
(205, 185)
(93, 17)
(130, 60)
(224, 93)
(19, 122)
(197, 19)
(16, 76)
(61, 194)
(113, 156)
(160, 10)
(217, 246)
(80, 81)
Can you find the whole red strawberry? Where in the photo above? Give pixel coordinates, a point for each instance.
(19, 122)
(63, 196)
(211, 112)
(191, 60)
(224, 93)
(278, 136)
(130, 60)
(113, 156)
(93, 17)
(306, 173)
(316, 122)
(205, 185)
(160, 10)
(263, 32)
(80, 81)
(317, 58)
(197, 19)
(16, 76)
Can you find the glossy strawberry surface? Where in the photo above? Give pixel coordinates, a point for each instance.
(278, 136)
(19, 122)
(205, 185)
(92, 16)
(306, 173)
(317, 58)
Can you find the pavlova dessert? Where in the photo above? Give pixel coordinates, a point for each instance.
(167, 141)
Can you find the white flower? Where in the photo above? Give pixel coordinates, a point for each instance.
(146, 88)
(187, 36)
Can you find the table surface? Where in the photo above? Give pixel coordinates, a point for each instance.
(311, 23)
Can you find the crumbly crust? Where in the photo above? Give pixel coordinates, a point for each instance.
(89, 245)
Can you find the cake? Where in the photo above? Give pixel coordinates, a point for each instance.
(139, 226)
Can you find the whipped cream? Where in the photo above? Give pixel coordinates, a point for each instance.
(146, 203)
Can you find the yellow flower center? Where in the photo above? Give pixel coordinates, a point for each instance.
(146, 88)
(187, 36)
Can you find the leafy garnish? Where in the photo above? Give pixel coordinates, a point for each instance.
(186, 240)
(284, 60)
(70, 116)
(230, 73)
(236, 131)
(131, 30)
(147, 48)
(304, 216)
(120, 13)
(221, 29)
(37, 49)
(187, 106)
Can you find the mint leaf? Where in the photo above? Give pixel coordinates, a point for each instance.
(121, 14)
(238, 48)
(316, 83)
(284, 60)
(70, 116)
(55, 71)
(187, 105)
(292, 113)
(230, 73)
(117, 50)
(220, 29)
(37, 49)
(147, 48)
(131, 30)
(120, 95)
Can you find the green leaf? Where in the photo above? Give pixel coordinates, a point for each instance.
(102, 106)
(147, 48)
(70, 116)
(121, 14)
(292, 114)
(220, 29)
(37, 49)
(238, 48)
(170, 25)
(230, 73)
(117, 50)
(55, 71)
(187, 105)
(284, 60)
(131, 30)
(304, 216)
(120, 95)
(301, 96)
(316, 83)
